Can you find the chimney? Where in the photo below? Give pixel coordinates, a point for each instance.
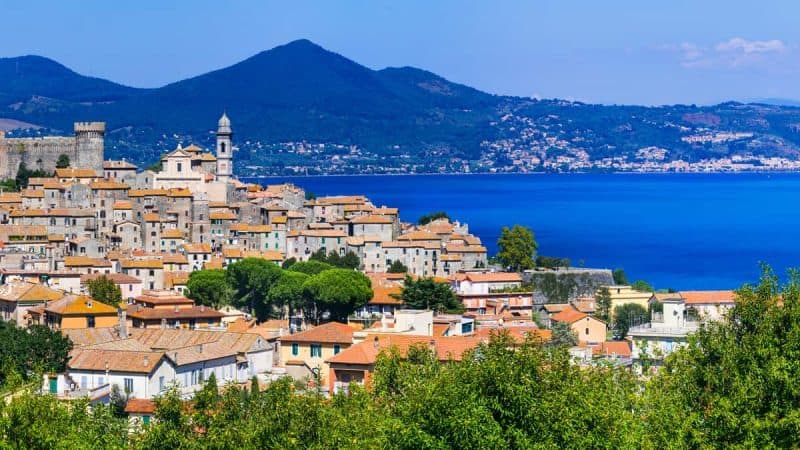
(176, 308)
(202, 308)
(163, 324)
(376, 343)
(146, 361)
(175, 358)
(199, 348)
(123, 323)
(432, 345)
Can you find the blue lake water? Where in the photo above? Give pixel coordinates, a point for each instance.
(685, 231)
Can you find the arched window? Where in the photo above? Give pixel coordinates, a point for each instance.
(222, 147)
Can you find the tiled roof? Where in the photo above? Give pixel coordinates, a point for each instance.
(117, 361)
(372, 219)
(365, 353)
(140, 406)
(75, 173)
(568, 315)
(117, 278)
(77, 306)
(494, 277)
(141, 264)
(199, 312)
(329, 333)
(708, 297)
(198, 247)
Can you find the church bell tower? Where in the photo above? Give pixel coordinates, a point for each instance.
(224, 149)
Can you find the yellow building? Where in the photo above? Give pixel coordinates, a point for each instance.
(623, 295)
(80, 312)
(304, 354)
(588, 329)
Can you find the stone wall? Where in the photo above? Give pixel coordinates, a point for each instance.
(85, 150)
(566, 284)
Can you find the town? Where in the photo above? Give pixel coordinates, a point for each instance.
(133, 267)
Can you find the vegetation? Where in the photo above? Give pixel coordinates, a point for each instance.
(619, 277)
(628, 315)
(310, 196)
(209, 287)
(29, 352)
(397, 266)
(551, 262)
(62, 162)
(564, 335)
(337, 291)
(425, 293)
(732, 386)
(104, 290)
(428, 218)
(644, 286)
(517, 248)
(348, 261)
(310, 267)
(24, 174)
(603, 304)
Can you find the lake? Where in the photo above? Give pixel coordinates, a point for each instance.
(684, 231)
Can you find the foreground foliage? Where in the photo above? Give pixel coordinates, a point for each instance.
(733, 386)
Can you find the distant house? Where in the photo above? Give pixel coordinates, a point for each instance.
(304, 354)
(76, 312)
(588, 329)
(140, 413)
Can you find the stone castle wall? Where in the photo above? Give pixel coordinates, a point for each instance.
(85, 150)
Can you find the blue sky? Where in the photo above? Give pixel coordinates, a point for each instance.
(641, 52)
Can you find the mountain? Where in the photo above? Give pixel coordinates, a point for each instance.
(299, 108)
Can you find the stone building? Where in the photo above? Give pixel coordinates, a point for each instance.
(85, 150)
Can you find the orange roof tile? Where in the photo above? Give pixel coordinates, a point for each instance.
(708, 297)
(329, 333)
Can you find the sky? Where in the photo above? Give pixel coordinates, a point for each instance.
(623, 52)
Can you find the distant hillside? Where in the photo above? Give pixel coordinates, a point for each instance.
(299, 108)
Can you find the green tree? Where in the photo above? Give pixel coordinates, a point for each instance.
(628, 315)
(310, 196)
(310, 267)
(397, 266)
(209, 287)
(251, 279)
(337, 291)
(62, 162)
(643, 286)
(350, 261)
(428, 218)
(287, 263)
(425, 293)
(603, 304)
(551, 262)
(734, 385)
(29, 352)
(322, 256)
(517, 248)
(286, 293)
(104, 290)
(563, 335)
(619, 277)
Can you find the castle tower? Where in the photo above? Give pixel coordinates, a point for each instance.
(224, 149)
(89, 145)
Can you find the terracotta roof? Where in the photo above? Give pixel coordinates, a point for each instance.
(25, 291)
(456, 248)
(621, 349)
(76, 173)
(568, 315)
(419, 235)
(140, 406)
(147, 193)
(329, 333)
(386, 295)
(172, 234)
(116, 278)
(123, 204)
(708, 297)
(222, 215)
(85, 261)
(179, 192)
(152, 217)
(182, 313)
(118, 165)
(493, 277)
(517, 332)
(114, 360)
(199, 247)
(162, 298)
(372, 219)
(108, 185)
(366, 352)
(141, 264)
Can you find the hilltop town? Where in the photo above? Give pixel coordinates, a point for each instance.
(164, 278)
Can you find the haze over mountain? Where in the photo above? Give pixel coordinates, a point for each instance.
(372, 119)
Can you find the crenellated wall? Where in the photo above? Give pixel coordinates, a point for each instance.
(85, 150)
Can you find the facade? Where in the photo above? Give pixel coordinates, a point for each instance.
(85, 150)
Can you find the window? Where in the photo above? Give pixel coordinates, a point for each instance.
(128, 385)
(90, 322)
(587, 331)
(180, 167)
(161, 383)
(295, 349)
(316, 351)
(146, 420)
(84, 382)
(336, 349)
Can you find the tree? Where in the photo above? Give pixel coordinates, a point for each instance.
(27, 352)
(397, 266)
(209, 287)
(643, 286)
(24, 174)
(564, 335)
(310, 267)
(62, 162)
(321, 256)
(310, 196)
(337, 291)
(619, 277)
(428, 218)
(425, 293)
(603, 304)
(287, 292)
(350, 261)
(517, 248)
(734, 384)
(104, 290)
(287, 263)
(551, 262)
(628, 315)
(251, 279)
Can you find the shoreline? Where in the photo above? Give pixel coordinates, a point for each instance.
(429, 174)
